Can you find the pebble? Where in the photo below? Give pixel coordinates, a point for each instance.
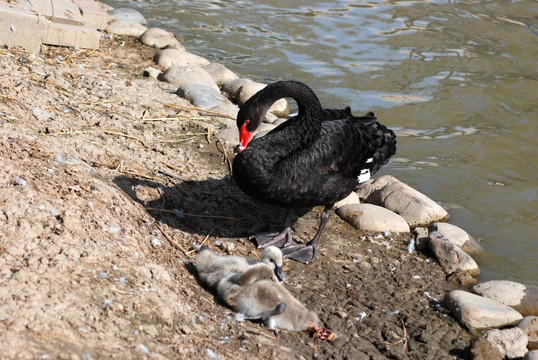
(151, 72)
(529, 325)
(458, 236)
(220, 74)
(450, 256)
(170, 57)
(416, 208)
(127, 14)
(372, 218)
(477, 312)
(188, 75)
(512, 343)
(511, 293)
(201, 96)
(126, 28)
(160, 39)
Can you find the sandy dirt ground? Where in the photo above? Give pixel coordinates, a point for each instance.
(93, 265)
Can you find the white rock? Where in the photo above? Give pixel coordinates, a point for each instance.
(416, 208)
(170, 57)
(512, 343)
(372, 218)
(421, 238)
(188, 75)
(201, 96)
(450, 256)
(220, 74)
(531, 355)
(127, 14)
(458, 236)
(529, 325)
(477, 312)
(160, 39)
(516, 295)
(352, 198)
(151, 72)
(126, 28)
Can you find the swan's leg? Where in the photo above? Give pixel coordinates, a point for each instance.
(279, 239)
(306, 253)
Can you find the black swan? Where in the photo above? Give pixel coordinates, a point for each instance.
(315, 158)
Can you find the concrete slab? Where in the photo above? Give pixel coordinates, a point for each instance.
(29, 23)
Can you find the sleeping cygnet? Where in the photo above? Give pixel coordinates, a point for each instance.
(254, 294)
(212, 268)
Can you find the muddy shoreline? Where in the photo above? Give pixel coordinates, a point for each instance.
(86, 272)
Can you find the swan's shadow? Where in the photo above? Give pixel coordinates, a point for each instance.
(215, 206)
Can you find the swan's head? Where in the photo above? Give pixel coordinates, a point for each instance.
(272, 256)
(249, 117)
(244, 136)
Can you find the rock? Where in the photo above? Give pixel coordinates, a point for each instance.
(127, 14)
(352, 198)
(529, 325)
(126, 28)
(229, 114)
(160, 39)
(482, 349)
(421, 238)
(461, 278)
(151, 72)
(176, 57)
(512, 343)
(201, 96)
(220, 74)
(188, 75)
(531, 355)
(416, 208)
(372, 218)
(511, 293)
(229, 136)
(242, 89)
(458, 236)
(450, 256)
(477, 312)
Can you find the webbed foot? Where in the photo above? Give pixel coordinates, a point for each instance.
(278, 239)
(300, 252)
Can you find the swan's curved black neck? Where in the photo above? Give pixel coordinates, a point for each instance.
(308, 104)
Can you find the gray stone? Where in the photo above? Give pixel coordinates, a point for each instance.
(126, 28)
(352, 198)
(371, 218)
(458, 236)
(220, 74)
(188, 75)
(481, 349)
(127, 14)
(229, 113)
(450, 256)
(477, 312)
(461, 278)
(243, 89)
(511, 293)
(531, 355)
(512, 343)
(160, 39)
(176, 57)
(529, 325)
(201, 96)
(229, 136)
(416, 208)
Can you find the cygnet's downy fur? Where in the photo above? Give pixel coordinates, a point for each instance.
(254, 294)
(212, 268)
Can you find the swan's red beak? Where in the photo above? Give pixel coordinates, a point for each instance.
(244, 137)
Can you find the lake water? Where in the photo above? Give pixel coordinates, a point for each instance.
(457, 80)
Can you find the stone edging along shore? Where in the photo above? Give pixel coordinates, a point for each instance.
(385, 205)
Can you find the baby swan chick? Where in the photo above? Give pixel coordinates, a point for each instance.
(212, 268)
(254, 294)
